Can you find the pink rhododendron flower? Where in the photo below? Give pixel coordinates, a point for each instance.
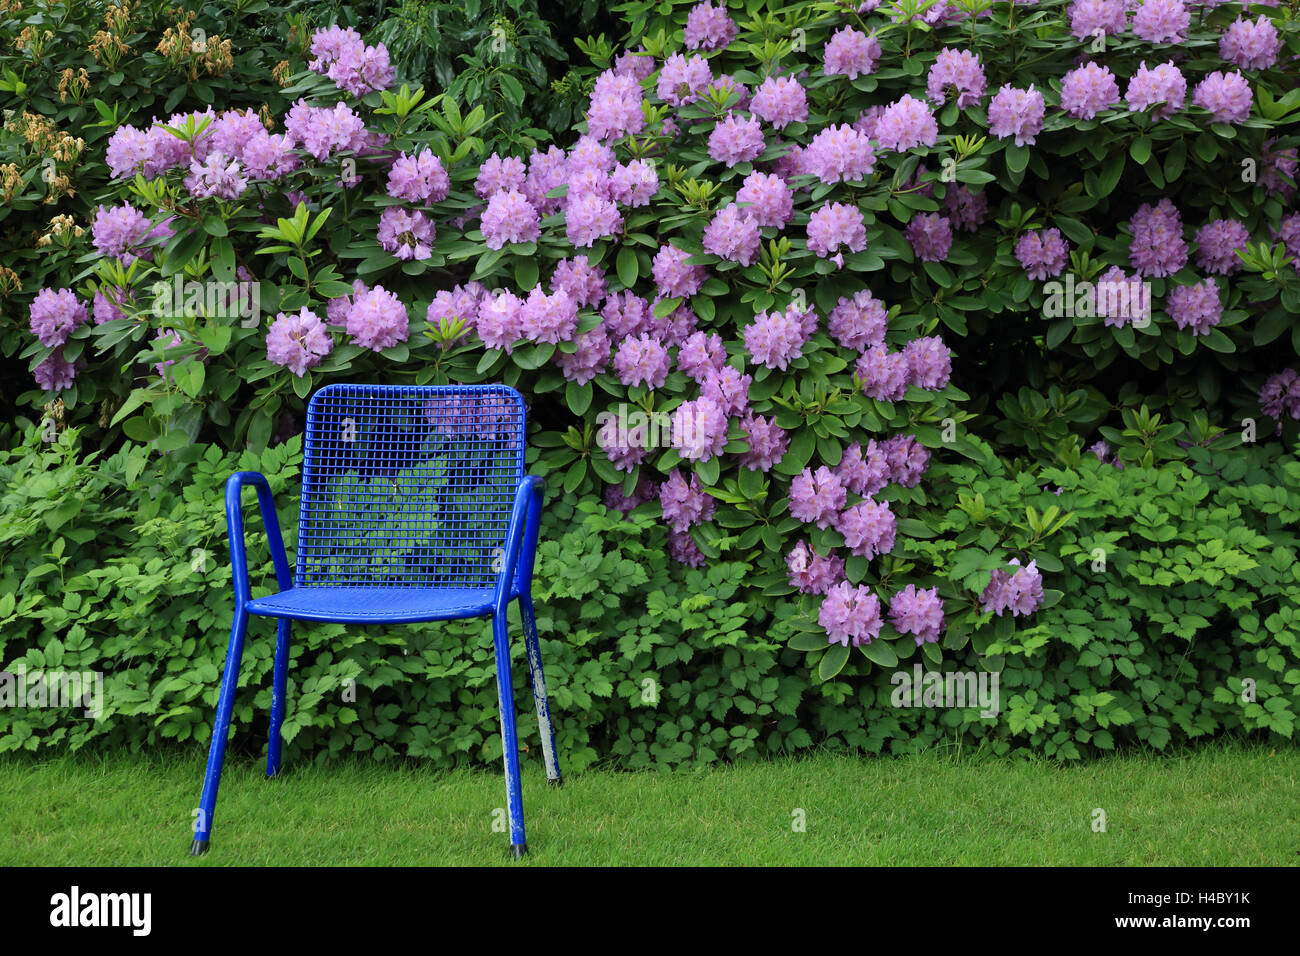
(767, 443)
(377, 320)
(811, 572)
(1016, 113)
(906, 124)
(850, 53)
(420, 178)
(858, 323)
(584, 282)
(298, 341)
(1157, 247)
(1089, 16)
(776, 338)
(708, 27)
(1251, 46)
(54, 315)
(883, 374)
(869, 528)
(767, 198)
(1281, 394)
(615, 108)
(780, 100)
(1217, 245)
(699, 429)
(907, 459)
(1088, 90)
(509, 217)
(839, 154)
(548, 318)
(1162, 87)
(683, 81)
(929, 363)
(959, 69)
(1196, 307)
(1042, 253)
(733, 234)
(850, 615)
(817, 496)
(917, 612)
(407, 235)
(835, 227)
(590, 359)
(56, 373)
(641, 361)
(736, 139)
(1020, 592)
(700, 354)
(930, 235)
(634, 183)
(1161, 21)
(864, 471)
(1226, 95)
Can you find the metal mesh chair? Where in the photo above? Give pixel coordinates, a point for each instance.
(415, 507)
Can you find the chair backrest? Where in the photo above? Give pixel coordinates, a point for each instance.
(407, 485)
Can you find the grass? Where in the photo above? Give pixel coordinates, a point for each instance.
(1219, 805)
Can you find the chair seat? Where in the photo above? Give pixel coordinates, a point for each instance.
(361, 605)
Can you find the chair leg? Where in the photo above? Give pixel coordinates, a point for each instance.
(509, 736)
(220, 730)
(539, 691)
(278, 702)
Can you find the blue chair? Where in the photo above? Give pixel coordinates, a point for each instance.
(415, 507)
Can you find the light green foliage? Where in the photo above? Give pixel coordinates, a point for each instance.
(1187, 628)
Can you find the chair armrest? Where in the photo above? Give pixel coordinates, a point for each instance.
(521, 541)
(235, 532)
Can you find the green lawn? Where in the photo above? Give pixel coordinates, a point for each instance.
(1229, 805)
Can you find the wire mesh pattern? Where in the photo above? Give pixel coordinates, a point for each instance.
(408, 486)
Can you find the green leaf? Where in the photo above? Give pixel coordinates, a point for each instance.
(578, 397)
(573, 478)
(879, 652)
(1218, 341)
(140, 429)
(808, 641)
(1017, 158)
(1109, 177)
(628, 267)
(526, 273)
(833, 661)
(1176, 160)
(708, 470)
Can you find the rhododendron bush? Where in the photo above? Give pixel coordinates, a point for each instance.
(772, 289)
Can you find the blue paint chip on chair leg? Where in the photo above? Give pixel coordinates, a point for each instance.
(199, 847)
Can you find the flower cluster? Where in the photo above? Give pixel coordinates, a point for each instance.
(341, 55)
(1020, 592)
(775, 339)
(850, 615)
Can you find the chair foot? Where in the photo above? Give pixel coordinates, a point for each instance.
(199, 848)
(557, 782)
(519, 852)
